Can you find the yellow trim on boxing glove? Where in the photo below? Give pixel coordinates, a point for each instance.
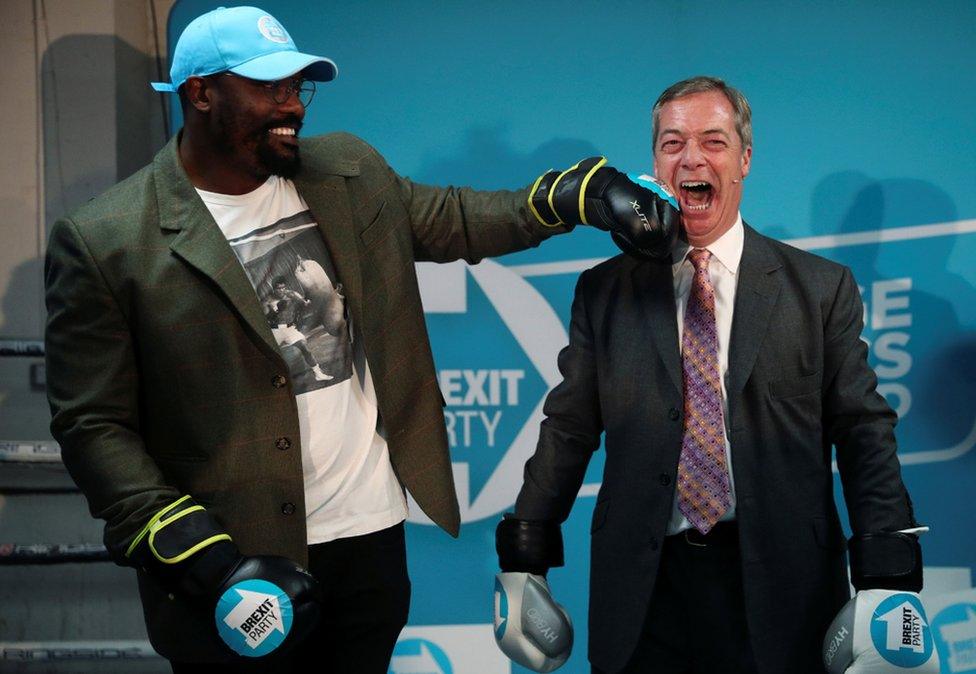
(157, 523)
(552, 191)
(532, 207)
(186, 553)
(583, 186)
(149, 525)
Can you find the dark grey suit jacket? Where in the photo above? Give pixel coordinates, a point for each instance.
(165, 379)
(798, 384)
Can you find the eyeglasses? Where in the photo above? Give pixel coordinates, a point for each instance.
(281, 90)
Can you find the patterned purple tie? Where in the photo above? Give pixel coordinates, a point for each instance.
(703, 479)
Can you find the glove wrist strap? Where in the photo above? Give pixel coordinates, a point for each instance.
(529, 546)
(539, 199)
(184, 547)
(886, 560)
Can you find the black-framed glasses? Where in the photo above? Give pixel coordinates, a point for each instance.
(281, 90)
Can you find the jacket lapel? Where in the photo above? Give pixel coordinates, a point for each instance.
(755, 298)
(654, 293)
(202, 245)
(322, 183)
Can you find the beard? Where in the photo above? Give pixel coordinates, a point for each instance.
(285, 164)
(252, 146)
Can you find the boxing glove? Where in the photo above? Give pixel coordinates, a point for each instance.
(880, 632)
(531, 628)
(262, 605)
(883, 629)
(640, 213)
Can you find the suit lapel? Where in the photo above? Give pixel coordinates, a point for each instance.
(654, 293)
(202, 245)
(755, 298)
(323, 187)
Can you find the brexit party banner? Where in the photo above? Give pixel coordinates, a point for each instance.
(864, 152)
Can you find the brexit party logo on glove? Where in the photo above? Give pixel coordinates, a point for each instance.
(254, 617)
(881, 631)
(901, 632)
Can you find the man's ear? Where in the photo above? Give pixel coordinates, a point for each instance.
(198, 93)
(746, 161)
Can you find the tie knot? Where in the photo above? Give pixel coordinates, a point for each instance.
(700, 257)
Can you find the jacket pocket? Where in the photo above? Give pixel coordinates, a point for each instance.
(599, 515)
(791, 387)
(375, 229)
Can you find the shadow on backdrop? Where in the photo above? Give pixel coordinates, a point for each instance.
(486, 160)
(98, 118)
(939, 390)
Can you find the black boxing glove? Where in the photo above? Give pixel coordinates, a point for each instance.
(640, 213)
(262, 605)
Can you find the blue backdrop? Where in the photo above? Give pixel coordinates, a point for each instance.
(865, 152)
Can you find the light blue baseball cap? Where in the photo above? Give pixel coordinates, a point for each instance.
(246, 41)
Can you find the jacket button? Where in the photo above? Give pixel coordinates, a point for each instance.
(665, 479)
(653, 543)
(278, 381)
(673, 414)
(283, 443)
(287, 508)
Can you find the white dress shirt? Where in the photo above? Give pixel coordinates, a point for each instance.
(723, 270)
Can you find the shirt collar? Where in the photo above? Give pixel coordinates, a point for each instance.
(727, 249)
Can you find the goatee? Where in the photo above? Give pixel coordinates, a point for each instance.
(285, 164)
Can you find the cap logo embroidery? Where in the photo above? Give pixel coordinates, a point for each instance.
(271, 29)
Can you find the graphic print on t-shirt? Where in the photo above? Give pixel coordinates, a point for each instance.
(292, 273)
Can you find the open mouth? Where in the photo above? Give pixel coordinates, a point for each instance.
(696, 195)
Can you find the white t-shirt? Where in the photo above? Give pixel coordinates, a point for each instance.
(350, 486)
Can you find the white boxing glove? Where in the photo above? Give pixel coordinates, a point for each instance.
(530, 627)
(881, 632)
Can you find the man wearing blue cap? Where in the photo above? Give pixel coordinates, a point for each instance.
(240, 375)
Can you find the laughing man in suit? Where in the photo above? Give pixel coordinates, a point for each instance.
(722, 378)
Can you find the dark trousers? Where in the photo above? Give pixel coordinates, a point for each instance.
(696, 621)
(367, 598)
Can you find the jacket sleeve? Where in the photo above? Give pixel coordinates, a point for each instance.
(452, 223)
(93, 391)
(571, 430)
(860, 423)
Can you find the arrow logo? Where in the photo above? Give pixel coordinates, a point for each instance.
(905, 625)
(256, 617)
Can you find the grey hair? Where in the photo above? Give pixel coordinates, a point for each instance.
(702, 84)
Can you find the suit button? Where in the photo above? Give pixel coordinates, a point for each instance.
(673, 414)
(278, 381)
(665, 479)
(653, 543)
(287, 508)
(283, 443)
